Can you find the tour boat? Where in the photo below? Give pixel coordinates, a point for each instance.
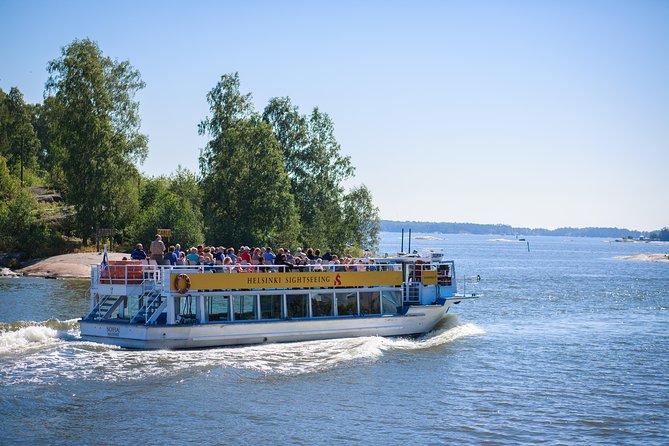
(135, 304)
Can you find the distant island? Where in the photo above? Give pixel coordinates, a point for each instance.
(499, 229)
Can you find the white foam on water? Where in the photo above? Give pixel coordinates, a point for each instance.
(27, 336)
(44, 349)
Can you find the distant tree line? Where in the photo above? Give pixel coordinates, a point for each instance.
(270, 178)
(473, 228)
(662, 234)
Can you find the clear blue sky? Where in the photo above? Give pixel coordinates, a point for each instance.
(530, 113)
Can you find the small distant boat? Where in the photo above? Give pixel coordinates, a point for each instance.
(426, 237)
(135, 305)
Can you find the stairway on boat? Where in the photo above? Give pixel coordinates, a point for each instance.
(105, 307)
(152, 310)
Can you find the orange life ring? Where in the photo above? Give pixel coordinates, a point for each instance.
(177, 282)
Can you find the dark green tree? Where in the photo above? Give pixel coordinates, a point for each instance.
(20, 144)
(21, 226)
(316, 167)
(170, 202)
(361, 219)
(246, 190)
(45, 118)
(662, 234)
(98, 130)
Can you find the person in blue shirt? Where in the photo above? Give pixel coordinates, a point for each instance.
(269, 256)
(138, 253)
(231, 254)
(170, 256)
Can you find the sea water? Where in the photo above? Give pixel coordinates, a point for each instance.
(567, 345)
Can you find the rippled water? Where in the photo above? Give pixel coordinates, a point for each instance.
(568, 346)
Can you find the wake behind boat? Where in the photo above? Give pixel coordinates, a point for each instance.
(136, 304)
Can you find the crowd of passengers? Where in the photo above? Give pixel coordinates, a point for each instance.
(247, 259)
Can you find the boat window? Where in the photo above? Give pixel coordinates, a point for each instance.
(218, 308)
(391, 302)
(296, 305)
(187, 308)
(321, 304)
(347, 304)
(245, 307)
(270, 306)
(369, 302)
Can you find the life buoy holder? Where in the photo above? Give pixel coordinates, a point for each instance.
(182, 278)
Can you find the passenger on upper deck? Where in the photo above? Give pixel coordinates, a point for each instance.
(317, 255)
(300, 254)
(269, 256)
(261, 265)
(245, 254)
(157, 249)
(231, 254)
(218, 255)
(170, 257)
(282, 259)
(328, 256)
(138, 253)
(256, 256)
(289, 257)
(206, 256)
(193, 257)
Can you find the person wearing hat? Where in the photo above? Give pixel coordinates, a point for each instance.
(245, 255)
(300, 254)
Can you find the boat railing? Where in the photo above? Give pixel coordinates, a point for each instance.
(473, 282)
(239, 268)
(144, 276)
(124, 272)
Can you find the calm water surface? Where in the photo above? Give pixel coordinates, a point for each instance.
(568, 346)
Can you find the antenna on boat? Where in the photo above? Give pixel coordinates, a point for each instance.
(409, 241)
(402, 248)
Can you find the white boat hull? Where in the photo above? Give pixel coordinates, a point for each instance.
(417, 320)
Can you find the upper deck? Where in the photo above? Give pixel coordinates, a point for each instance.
(420, 281)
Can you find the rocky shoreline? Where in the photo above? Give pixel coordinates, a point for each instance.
(71, 266)
(644, 257)
(6, 272)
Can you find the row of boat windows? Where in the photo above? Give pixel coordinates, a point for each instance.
(296, 306)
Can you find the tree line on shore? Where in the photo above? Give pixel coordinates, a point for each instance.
(500, 229)
(266, 178)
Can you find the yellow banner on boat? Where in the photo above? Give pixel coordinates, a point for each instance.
(243, 281)
(429, 277)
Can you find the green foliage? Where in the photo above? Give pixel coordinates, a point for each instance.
(18, 141)
(172, 203)
(317, 170)
(361, 224)
(246, 190)
(274, 179)
(662, 234)
(45, 118)
(21, 227)
(98, 130)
